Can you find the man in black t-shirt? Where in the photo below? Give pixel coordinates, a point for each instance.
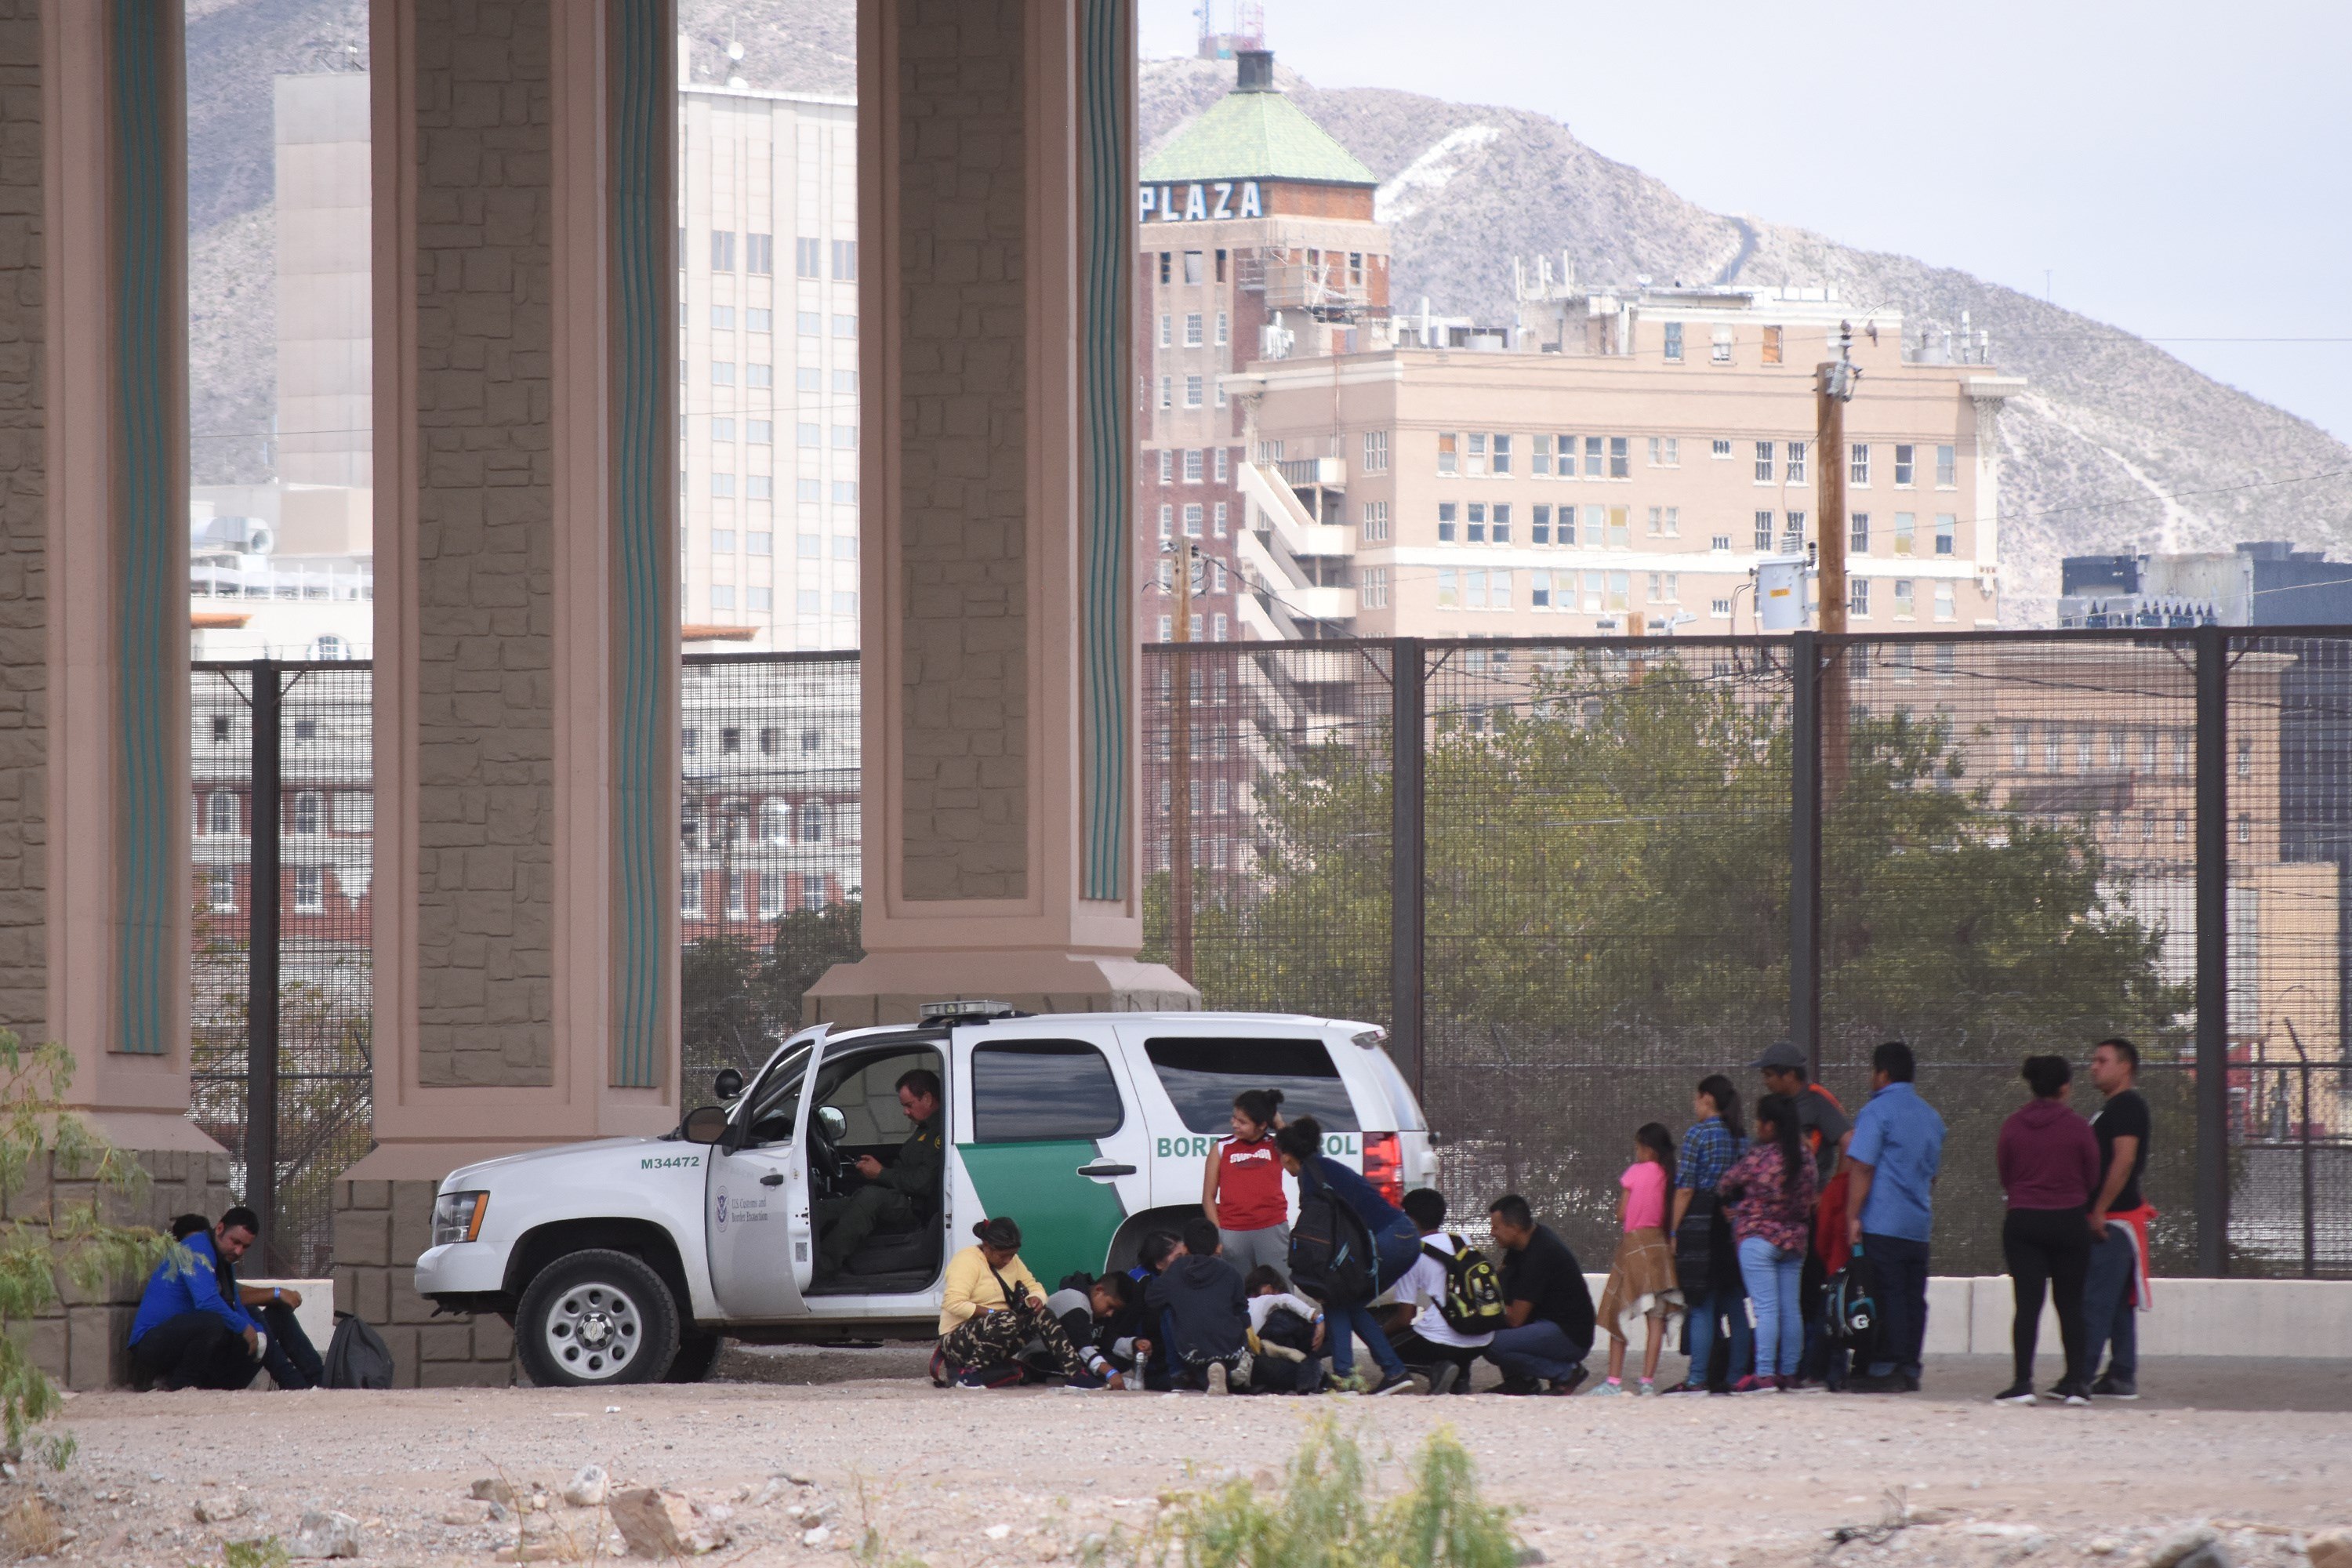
(2111, 1291)
(1546, 1304)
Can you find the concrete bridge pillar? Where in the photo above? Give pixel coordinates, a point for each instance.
(527, 635)
(996, 148)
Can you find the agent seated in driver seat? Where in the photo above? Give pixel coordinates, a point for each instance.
(897, 1196)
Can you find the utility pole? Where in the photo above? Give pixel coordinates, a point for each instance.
(1834, 385)
(1179, 771)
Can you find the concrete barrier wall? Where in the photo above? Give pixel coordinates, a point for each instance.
(2266, 1318)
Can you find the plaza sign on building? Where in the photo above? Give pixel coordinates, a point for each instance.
(1201, 201)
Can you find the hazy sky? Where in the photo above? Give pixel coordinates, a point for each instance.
(2183, 171)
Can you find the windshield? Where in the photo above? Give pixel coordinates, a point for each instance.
(775, 1101)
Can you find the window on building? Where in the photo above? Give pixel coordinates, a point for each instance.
(1502, 523)
(1903, 608)
(808, 257)
(1376, 587)
(690, 895)
(1948, 466)
(722, 541)
(1674, 342)
(1903, 527)
(722, 318)
(722, 595)
(1194, 330)
(1474, 456)
(1225, 323)
(1764, 532)
(1721, 350)
(1796, 466)
(1376, 522)
(844, 437)
(1194, 271)
(1217, 519)
(1720, 544)
(1620, 528)
(1502, 454)
(760, 432)
(722, 373)
(1857, 598)
(1539, 526)
(2246, 758)
(1858, 469)
(1449, 588)
(1167, 392)
(1595, 459)
(1944, 609)
(222, 819)
(1771, 354)
(1449, 459)
(1902, 464)
(1540, 456)
(1192, 520)
(310, 890)
(1721, 448)
(757, 374)
(1192, 388)
(760, 258)
(1763, 462)
(1192, 461)
(1947, 529)
(1376, 452)
(722, 486)
(845, 326)
(1167, 522)
(722, 250)
(1620, 458)
(845, 260)
(1475, 529)
(809, 323)
(1165, 256)
(844, 492)
(1858, 534)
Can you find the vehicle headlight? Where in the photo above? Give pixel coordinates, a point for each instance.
(457, 1216)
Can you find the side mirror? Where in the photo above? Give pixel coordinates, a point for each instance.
(837, 1125)
(705, 1124)
(728, 1084)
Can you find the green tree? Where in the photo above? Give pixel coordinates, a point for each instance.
(40, 1142)
(737, 1002)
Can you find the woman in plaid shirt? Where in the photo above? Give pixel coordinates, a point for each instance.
(1713, 1142)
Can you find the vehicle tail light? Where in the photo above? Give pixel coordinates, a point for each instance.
(1384, 1164)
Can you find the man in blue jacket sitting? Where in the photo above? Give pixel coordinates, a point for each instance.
(189, 1333)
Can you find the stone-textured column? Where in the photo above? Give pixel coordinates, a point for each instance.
(995, 156)
(93, 640)
(526, 741)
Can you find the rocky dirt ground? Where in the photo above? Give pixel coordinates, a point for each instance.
(793, 1454)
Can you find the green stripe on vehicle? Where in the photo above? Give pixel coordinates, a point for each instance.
(1067, 1220)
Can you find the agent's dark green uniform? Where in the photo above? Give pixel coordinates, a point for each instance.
(889, 1198)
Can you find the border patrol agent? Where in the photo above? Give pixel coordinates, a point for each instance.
(891, 1192)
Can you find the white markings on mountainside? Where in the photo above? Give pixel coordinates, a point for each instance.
(1429, 174)
(2183, 529)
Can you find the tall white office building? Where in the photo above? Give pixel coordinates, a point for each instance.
(768, 252)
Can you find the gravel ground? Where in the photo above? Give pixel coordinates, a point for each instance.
(790, 1440)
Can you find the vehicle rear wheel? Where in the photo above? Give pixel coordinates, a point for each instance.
(596, 1317)
(697, 1354)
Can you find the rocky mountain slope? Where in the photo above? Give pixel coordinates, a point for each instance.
(2116, 445)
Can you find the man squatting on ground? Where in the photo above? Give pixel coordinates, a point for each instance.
(198, 1328)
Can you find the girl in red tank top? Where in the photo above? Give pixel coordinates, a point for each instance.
(1242, 1189)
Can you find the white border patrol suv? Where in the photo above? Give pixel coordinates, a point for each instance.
(624, 1260)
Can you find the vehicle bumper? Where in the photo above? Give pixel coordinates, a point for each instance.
(461, 1269)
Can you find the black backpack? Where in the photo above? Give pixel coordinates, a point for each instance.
(1851, 1304)
(357, 1356)
(1473, 1302)
(1330, 1250)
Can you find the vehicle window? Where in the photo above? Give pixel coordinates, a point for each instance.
(1029, 1091)
(1201, 1076)
(865, 1090)
(775, 1100)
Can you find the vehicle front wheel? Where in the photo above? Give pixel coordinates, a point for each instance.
(596, 1317)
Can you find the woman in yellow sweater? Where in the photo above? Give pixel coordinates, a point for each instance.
(994, 1309)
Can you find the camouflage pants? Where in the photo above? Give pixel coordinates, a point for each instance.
(999, 1338)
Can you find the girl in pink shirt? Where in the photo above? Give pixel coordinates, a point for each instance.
(1642, 1283)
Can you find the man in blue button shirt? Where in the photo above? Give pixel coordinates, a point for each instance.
(1897, 1148)
(188, 1335)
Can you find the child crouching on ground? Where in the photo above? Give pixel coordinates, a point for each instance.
(1199, 1297)
(1286, 1333)
(1641, 1284)
(1103, 1318)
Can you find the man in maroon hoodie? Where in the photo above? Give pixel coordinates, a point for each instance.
(2049, 1164)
